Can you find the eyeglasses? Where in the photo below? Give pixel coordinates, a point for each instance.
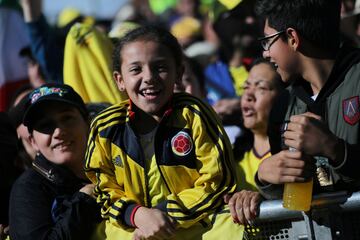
(265, 41)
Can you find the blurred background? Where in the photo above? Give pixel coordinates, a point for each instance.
(100, 9)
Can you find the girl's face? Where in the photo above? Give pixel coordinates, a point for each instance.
(148, 74)
(258, 96)
(60, 134)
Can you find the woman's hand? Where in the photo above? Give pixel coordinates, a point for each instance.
(243, 206)
(88, 189)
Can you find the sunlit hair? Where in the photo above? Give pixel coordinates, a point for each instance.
(148, 33)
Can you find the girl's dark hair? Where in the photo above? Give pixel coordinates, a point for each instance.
(148, 33)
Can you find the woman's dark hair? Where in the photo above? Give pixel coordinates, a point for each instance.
(278, 83)
(243, 143)
(148, 33)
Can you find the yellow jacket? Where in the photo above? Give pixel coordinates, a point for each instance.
(197, 173)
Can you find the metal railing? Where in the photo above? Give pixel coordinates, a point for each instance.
(332, 216)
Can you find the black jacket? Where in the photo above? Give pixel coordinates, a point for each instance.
(45, 203)
(8, 171)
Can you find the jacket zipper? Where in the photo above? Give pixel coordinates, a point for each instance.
(46, 173)
(156, 158)
(146, 180)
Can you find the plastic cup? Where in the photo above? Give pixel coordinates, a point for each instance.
(298, 196)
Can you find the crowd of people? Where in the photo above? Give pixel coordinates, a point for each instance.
(176, 121)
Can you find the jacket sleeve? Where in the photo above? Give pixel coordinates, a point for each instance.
(109, 190)
(269, 191)
(348, 168)
(215, 167)
(47, 46)
(30, 214)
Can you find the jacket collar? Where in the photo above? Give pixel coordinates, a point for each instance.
(132, 109)
(56, 174)
(345, 59)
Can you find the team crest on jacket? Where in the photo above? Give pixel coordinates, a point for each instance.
(181, 144)
(351, 112)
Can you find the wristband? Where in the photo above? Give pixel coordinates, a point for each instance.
(132, 216)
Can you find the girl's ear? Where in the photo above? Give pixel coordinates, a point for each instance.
(119, 80)
(33, 142)
(179, 74)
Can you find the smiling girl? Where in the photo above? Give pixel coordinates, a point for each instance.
(161, 162)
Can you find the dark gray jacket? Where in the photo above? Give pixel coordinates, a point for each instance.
(338, 104)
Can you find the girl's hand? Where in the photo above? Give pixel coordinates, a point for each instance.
(152, 223)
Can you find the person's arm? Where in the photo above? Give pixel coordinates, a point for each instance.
(44, 42)
(309, 134)
(109, 191)
(283, 167)
(268, 190)
(116, 206)
(214, 165)
(31, 205)
(31, 10)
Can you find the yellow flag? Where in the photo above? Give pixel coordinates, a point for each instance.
(230, 4)
(88, 63)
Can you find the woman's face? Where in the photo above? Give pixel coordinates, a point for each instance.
(257, 99)
(60, 134)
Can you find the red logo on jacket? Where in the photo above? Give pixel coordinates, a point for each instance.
(351, 112)
(181, 144)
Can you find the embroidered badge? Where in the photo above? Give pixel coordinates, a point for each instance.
(181, 144)
(117, 161)
(351, 112)
(44, 91)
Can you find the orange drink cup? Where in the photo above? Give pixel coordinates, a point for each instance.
(298, 196)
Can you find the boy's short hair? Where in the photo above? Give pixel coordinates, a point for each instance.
(318, 21)
(148, 33)
(52, 92)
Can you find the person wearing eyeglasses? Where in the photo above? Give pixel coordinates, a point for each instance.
(321, 105)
